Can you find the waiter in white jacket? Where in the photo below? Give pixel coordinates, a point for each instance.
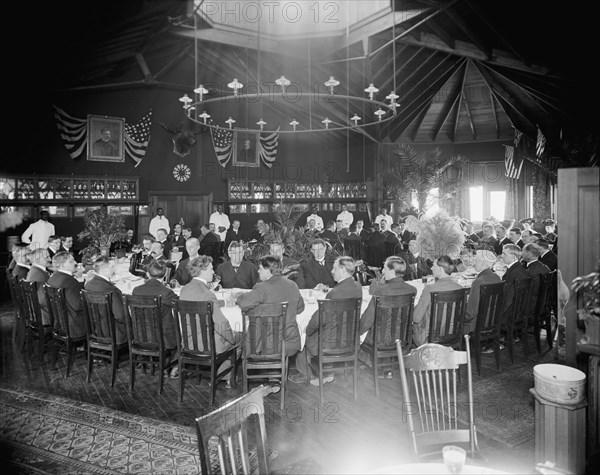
(37, 234)
(221, 222)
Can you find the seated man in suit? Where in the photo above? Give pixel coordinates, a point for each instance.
(418, 266)
(501, 239)
(182, 275)
(208, 235)
(442, 268)
(104, 270)
(237, 272)
(316, 271)
(547, 256)
(162, 237)
(38, 272)
(390, 282)
(202, 273)
(482, 263)
(515, 237)
(273, 288)
(154, 287)
(346, 287)
(62, 277)
(21, 267)
(233, 233)
(392, 240)
(530, 257)
(487, 241)
(511, 255)
(330, 235)
(158, 254)
(177, 238)
(53, 245)
(291, 268)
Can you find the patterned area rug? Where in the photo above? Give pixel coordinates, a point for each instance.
(54, 435)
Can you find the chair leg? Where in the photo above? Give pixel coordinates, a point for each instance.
(497, 352)
(536, 333)
(181, 380)
(284, 376)
(525, 342)
(373, 355)
(477, 351)
(510, 343)
(115, 363)
(89, 363)
(321, 385)
(41, 338)
(356, 371)
(131, 372)
(161, 373)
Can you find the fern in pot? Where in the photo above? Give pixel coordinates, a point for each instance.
(100, 230)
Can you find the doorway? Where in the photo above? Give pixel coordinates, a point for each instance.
(194, 209)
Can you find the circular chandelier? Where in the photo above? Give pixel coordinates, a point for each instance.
(383, 113)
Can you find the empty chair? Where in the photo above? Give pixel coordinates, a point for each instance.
(489, 319)
(393, 321)
(37, 335)
(196, 346)
(516, 322)
(61, 327)
(143, 317)
(447, 317)
(101, 332)
(544, 317)
(264, 350)
(338, 340)
(430, 389)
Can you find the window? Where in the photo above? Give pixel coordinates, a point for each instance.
(497, 203)
(476, 203)
(529, 199)
(432, 202)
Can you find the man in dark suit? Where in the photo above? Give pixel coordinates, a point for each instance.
(38, 272)
(104, 270)
(331, 236)
(125, 245)
(547, 256)
(20, 260)
(62, 278)
(418, 266)
(364, 234)
(233, 233)
(530, 256)
(501, 238)
(391, 282)
(291, 269)
(404, 235)
(162, 236)
(515, 237)
(346, 287)
(158, 253)
(208, 236)
(202, 273)
(182, 275)
(376, 245)
(237, 273)
(511, 254)
(177, 239)
(54, 244)
(316, 271)
(487, 241)
(186, 232)
(154, 287)
(483, 262)
(392, 241)
(274, 288)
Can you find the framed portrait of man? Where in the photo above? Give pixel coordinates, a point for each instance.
(245, 151)
(106, 138)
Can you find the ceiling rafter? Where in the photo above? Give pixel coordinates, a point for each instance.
(475, 38)
(464, 96)
(494, 113)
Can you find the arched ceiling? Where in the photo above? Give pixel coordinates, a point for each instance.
(465, 70)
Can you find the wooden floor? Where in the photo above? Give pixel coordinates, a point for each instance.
(342, 436)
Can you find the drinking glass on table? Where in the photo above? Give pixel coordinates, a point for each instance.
(454, 458)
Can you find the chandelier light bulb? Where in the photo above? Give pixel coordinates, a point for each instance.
(331, 83)
(204, 116)
(186, 101)
(283, 82)
(235, 85)
(294, 123)
(371, 90)
(326, 121)
(230, 121)
(355, 118)
(201, 90)
(392, 96)
(261, 123)
(379, 112)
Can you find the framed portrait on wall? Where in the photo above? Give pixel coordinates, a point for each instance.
(245, 149)
(105, 140)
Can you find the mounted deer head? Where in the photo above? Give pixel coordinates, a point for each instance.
(183, 141)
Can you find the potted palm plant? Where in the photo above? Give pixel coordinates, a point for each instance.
(100, 230)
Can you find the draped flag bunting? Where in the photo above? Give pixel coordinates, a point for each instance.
(137, 137)
(512, 163)
(74, 131)
(540, 143)
(267, 148)
(518, 135)
(222, 140)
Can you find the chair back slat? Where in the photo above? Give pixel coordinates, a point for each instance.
(338, 326)
(352, 248)
(31, 304)
(99, 317)
(448, 309)
(264, 328)
(144, 322)
(195, 327)
(13, 285)
(393, 321)
(489, 312)
(57, 308)
(517, 318)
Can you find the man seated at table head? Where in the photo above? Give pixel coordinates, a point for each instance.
(442, 268)
(62, 278)
(511, 255)
(182, 275)
(291, 268)
(346, 287)
(316, 271)
(390, 282)
(237, 272)
(22, 265)
(202, 273)
(104, 271)
(154, 287)
(274, 288)
(483, 261)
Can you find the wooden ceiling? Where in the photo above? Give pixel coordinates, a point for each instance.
(465, 70)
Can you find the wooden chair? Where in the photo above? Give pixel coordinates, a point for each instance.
(145, 336)
(230, 425)
(37, 335)
(393, 321)
(61, 328)
(264, 349)
(101, 332)
(431, 398)
(391, 248)
(489, 319)
(447, 318)
(18, 331)
(338, 340)
(196, 343)
(517, 322)
(353, 248)
(135, 265)
(544, 318)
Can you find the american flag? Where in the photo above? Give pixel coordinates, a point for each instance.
(222, 143)
(513, 165)
(73, 132)
(137, 137)
(540, 143)
(267, 148)
(518, 135)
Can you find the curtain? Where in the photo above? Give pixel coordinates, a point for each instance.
(512, 199)
(542, 184)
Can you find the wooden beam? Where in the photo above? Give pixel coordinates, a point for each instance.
(441, 33)
(475, 38)
(495, 113)
(139, 57)
(449, 105)
(465, 97)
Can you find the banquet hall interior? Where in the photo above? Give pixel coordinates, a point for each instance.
(459, 122)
